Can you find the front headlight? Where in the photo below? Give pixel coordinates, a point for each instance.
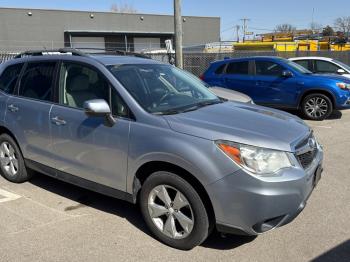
(259, 161)
(343, 86)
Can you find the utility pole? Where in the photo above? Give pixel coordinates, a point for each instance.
(245, 20)
(178, 33)
(237, 32)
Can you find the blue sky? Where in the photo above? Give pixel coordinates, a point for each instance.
(264, 14)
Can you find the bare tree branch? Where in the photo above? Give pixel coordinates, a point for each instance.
(285, 28)
(123, 8)
(343, 24)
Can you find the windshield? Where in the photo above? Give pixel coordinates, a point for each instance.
(342, 64)
(163, 89)
(298, 67)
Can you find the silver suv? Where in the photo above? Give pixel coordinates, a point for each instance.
(149, 133)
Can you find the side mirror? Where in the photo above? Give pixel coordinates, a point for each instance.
(99, 108)
(286, 73)
(341, 71)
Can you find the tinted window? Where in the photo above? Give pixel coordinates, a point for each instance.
(268, 68)
(9, 77)
(238, 68)
(303, 63)
(220, 69)
(79, 83)
(37, 81)
(326, 67)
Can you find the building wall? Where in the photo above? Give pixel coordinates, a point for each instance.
(46, 28)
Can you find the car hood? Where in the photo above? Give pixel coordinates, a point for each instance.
(230, 94)
(242, 123)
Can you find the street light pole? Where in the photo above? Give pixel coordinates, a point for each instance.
(178, 33)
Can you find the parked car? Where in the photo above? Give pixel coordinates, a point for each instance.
(280, 83)
(323, 65)
(146, 132)
(230, 94)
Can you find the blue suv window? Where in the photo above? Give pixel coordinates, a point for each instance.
(238, 68)
(220, 69)
(268, 68)
(9, 78)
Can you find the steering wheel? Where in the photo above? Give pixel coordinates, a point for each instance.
(165, 96)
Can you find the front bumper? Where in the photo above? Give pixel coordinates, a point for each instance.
(345, 101)
(245, 204)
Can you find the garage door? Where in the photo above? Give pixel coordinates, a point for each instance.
(146, 43)
(82, 42)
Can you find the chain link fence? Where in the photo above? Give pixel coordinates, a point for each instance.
(197, 63)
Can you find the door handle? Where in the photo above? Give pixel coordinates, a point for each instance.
(58, 121)
(13, 108)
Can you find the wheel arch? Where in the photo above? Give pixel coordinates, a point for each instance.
(4, 130)
(148, 168)
(325, 92)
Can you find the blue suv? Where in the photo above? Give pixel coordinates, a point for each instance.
(280, 83)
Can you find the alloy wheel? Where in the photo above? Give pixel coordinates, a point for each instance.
(8, 159)
(170, 211)
(316, 107)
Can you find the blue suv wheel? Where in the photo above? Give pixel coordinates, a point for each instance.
(317, 106)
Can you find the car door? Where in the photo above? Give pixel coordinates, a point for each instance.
(237, 77)
(84, 146)
(27, 114)
(271, 88)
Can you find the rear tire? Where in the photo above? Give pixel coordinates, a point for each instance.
(179, 220)
(12, 165)
(317, 107)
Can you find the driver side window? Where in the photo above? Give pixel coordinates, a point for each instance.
(267, 68)
(326, 67)
(79, 83)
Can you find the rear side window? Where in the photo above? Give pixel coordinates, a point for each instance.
(268, 68)
(326, 67)
(303, 63)
(9, 77)
(37, 81)
(238, 68)
(220, 69)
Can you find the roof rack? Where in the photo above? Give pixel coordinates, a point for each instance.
(71, 51)
(113, 51)
(77, 52)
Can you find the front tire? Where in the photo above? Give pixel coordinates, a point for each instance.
(317, 107)
(173, 211)
(12, 165)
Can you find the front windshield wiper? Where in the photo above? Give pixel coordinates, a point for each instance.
(174, 111)
(203, 104)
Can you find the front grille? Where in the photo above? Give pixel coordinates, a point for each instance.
(305, 152)
(306, 159)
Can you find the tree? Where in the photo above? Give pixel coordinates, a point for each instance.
(328, 31)
(343, 24)
(123, 8)
(285, 28)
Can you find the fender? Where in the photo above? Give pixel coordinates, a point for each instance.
(160, 157)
